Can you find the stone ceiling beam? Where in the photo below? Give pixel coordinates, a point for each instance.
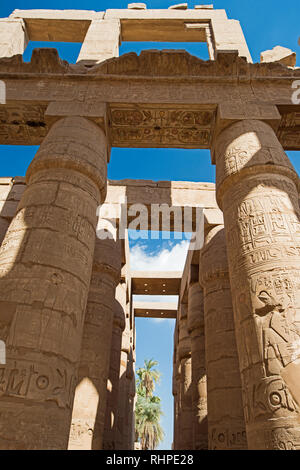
(155, 282)
(155, 309)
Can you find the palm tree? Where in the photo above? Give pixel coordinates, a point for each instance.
(148, 407)
(148, 376)
(147, 421)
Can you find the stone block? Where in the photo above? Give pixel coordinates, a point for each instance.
(179, 6)
(280, 54)
(137, 6)
(204, 7)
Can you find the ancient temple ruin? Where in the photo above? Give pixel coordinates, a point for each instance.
(66, 309)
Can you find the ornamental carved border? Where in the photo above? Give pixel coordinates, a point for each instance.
(22, 125)
(144, 126)
(289, 131)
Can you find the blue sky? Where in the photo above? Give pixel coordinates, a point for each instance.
(265, 24)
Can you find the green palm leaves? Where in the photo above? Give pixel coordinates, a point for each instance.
(148, 407)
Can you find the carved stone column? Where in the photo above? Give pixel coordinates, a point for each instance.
(257, 191)
(175, 387)
(111, 414)
(185, 438)
(199, 392)
(226, 424)
(121, 438)
(101, 42)
(45, 264)
(91, 392)
(13, 37)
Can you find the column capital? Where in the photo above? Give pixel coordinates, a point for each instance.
(76, 144)
(230, 112)
(96, 111)
(246, 149)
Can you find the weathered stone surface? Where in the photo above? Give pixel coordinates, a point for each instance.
(199, 386)
(226, 424)
(101, 42)
(157, 99)
(113, 383)
(88, 413)
(185, 436)
(257, 190)
(13, 37)
(46, 261)
(179, 6)
(137, 6)
(280, 54)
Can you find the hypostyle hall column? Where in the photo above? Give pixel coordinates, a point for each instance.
(257, 191)
(185, 438)
(45, 263)
(122, 418)
(91, 392)
(226, 424)
(111, 413)
(175, 387)
(199, 392)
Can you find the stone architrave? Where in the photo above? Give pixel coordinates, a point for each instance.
(226, 424)
(45, 263)
(91, 392)
(257, 191)
(199, 393)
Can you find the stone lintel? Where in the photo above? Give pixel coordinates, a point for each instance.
(57, 25)
(155, 309)
(155, 282)
(159, 14)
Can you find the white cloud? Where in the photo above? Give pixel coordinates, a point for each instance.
(172, 259)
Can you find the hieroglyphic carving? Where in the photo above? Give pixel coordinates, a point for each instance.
(226, 423)
(161, 126)
(22, 124)
(289, 131)
(261, 212)
(39, 382)
(46, 268)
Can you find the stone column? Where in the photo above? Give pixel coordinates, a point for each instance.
(111, 413)
(257, 191)
(185, 438)
(199, 393)
(13, 37)
(101, 42)
(130, 376)
(90, 397)
(175, 387)
(226, 424)
(45, 263)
